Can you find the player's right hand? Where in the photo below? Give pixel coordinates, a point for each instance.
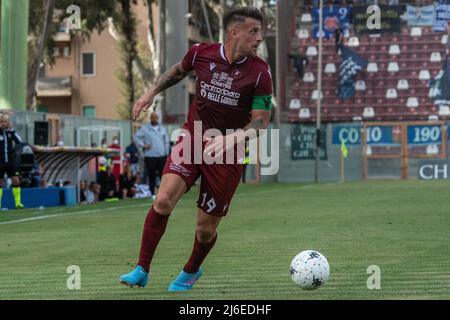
(142, 104)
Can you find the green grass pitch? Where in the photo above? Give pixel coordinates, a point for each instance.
(401, 226)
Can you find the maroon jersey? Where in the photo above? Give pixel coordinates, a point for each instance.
(224, 92)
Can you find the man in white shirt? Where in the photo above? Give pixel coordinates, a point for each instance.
(154, 139)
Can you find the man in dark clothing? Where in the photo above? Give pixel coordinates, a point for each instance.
(132, 155)
(300, 63)
(338, 38)
(108, 184)
(8, 140)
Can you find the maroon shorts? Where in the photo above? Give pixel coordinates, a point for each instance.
(217, 186)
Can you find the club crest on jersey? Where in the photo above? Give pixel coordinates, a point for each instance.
(212, 65)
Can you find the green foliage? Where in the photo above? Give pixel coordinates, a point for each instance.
(126, 25)
(93, 17)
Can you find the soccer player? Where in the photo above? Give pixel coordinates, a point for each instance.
(233, 91)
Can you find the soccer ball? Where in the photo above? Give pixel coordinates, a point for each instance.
(310, 269)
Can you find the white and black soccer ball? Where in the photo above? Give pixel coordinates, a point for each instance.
(310, 269)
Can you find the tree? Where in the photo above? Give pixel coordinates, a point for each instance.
(37, 48)
(43, 25)
(128, 52)
(140, 62)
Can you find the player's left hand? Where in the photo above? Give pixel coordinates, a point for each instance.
(219, 144)
(142, 104)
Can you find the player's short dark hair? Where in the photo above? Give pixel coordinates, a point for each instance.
(239, 14)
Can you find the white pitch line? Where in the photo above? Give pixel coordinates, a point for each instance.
(67, 214)
(145, 204)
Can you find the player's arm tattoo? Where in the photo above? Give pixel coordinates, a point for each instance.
(260, 120)
(256, 124)
(169, 78)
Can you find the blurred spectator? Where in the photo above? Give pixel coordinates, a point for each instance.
(102, 163)
(83, 188)
(108, 184)
(116, 157)
(92, 194)
(43, 183)
(142, 190)
(60, 142)
(103, 144)
(300, 63)
(126, 183)
(37, 173)
(338, 37)
(132, 155)
(154, 139)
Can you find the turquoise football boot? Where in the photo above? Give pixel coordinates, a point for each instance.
(137, 277)
(185, 281)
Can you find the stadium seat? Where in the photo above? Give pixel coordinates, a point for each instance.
(413, 102)
(394, 86)
(294, 104)
(393, 67)
(394, 49)
(306, 18)
(330, 68)
(304, 113)
(360, 85)
(353, 42)
(391, 93)
(303, 34)
(432, 149)
(402, 84)
(424, 75)
(435, 57)
(308, 77)
(444, 111)
(311, 51)
(416, 32)
(372, 67)
(432, 92)
(315, 95)
(368, 112)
